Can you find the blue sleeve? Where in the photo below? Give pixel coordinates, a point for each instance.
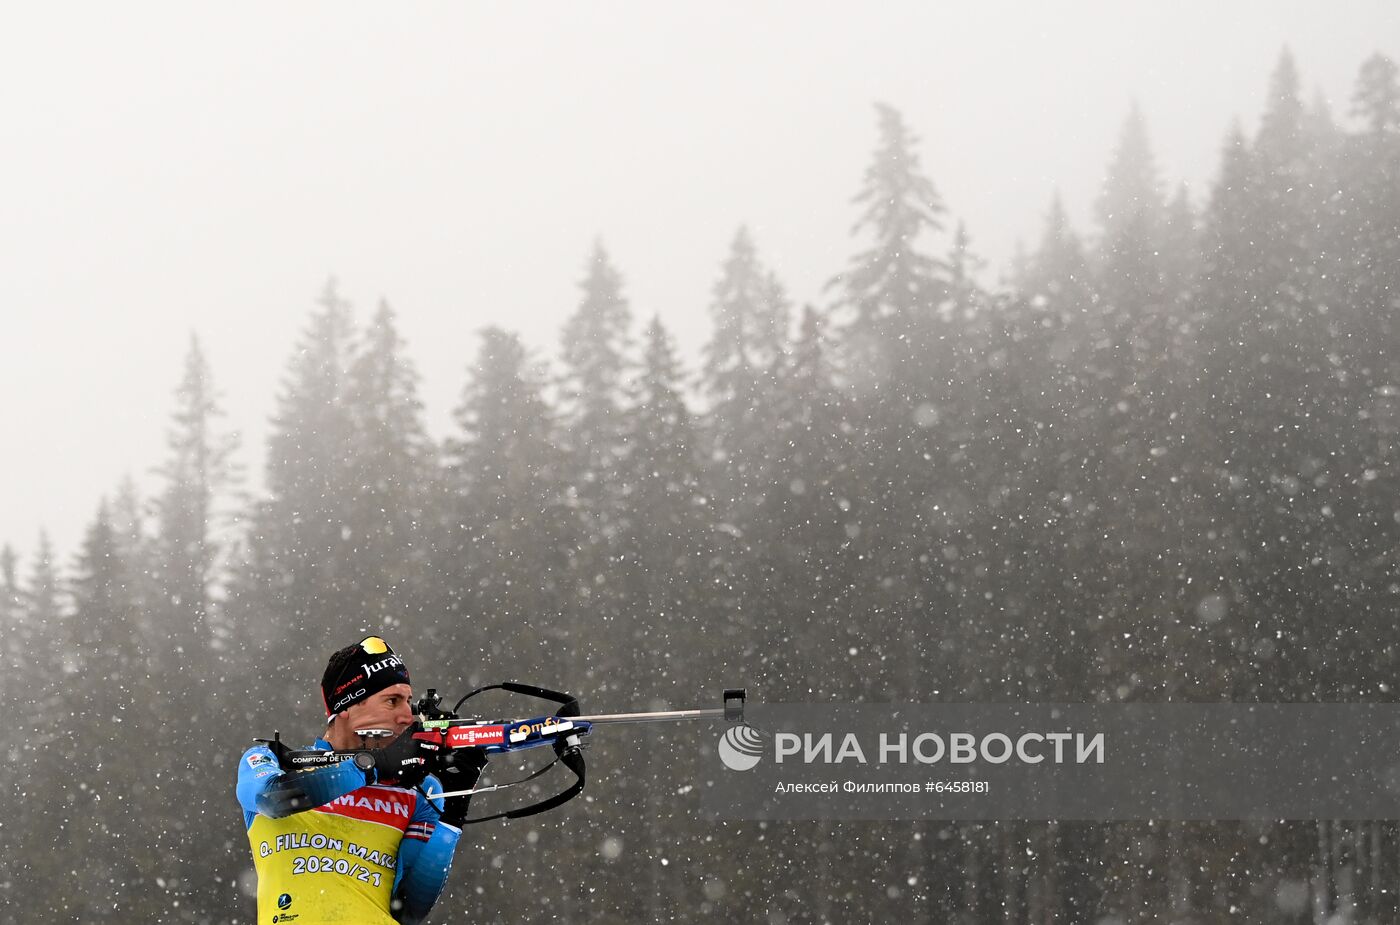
(264, 788)
(425, 857)
(257, 770)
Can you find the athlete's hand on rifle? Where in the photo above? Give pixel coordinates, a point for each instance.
(461, 774)
(405, 761)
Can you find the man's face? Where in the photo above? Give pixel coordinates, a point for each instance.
(390, 709)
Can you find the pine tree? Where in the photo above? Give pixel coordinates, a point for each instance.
(47, 660)
(1131, 213)
(1060, 293)
(750, 323)
(198, 473)
(391, 496)
(1376, 100)
(15, 631)
(1365, 304)
(507, 551)
(1268, 388)
(1131, 348)
(1136, 417)
(1370, 232)
(504, 567)
(306, 450)
(1284, 193)
(177, 570)
(140, 558)
(1281, 127)
(666, 523)
(46, 613)
(804, 548)
(296, 590)
(893, 294)
(739, 376)
(106, 640)
(19, 685)
(1229, 301)
(1180, 253)
(899, 360)
(1038, 402)
(1296, 342)
(663, 631)
(596, 366)
(964, 294)
(111, 698)
(1230, 263)
(1059, 267)
(594, 353)
(750, 316)
(892, 289)
(1322, 137)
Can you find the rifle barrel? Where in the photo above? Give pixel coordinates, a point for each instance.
(664, 716)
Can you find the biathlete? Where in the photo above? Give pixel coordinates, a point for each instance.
(345, 844)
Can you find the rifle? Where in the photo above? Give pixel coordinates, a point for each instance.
(443, 740)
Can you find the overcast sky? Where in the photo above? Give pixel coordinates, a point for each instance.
(201, 167)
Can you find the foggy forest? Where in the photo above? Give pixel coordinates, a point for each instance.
(1154, 462)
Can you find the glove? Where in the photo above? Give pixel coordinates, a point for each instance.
(404, 762)
(461, 774)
